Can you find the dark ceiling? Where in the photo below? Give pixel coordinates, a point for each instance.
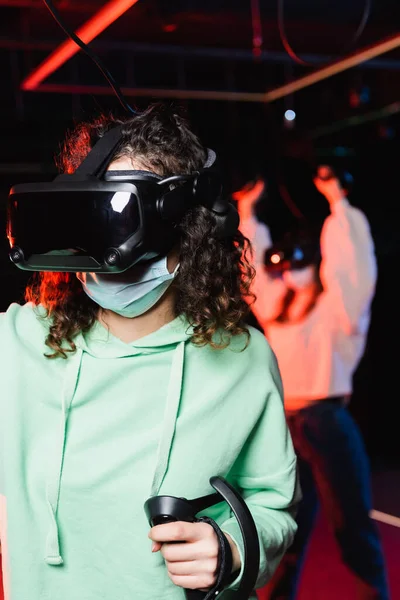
(313, 25)
(194, 45)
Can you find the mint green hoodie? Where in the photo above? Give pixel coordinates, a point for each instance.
(86, 440)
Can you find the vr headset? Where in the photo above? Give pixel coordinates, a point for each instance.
(107, 221)
(301, 248)
(294, 252)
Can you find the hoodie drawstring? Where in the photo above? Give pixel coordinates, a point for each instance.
(170, 418)
(52, 553)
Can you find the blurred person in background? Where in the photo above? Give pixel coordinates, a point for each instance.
(313, 299)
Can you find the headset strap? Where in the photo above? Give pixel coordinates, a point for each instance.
(98, 159)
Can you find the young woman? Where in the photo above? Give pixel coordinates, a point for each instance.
(315, 313)
(116, 388)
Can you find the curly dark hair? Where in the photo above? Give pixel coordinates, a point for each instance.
(213, 284)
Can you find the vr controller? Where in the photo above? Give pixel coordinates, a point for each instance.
(165, 509)
(344, 177)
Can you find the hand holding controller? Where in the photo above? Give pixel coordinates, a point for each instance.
(165, 509)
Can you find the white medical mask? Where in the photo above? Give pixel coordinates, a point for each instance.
(299, 279)
(132, 293)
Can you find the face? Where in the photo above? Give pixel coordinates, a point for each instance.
(300, 279)
(128, 164)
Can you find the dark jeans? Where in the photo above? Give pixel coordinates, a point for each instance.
(334, 470)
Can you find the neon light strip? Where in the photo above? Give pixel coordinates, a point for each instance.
(373, 115)
(337, 67)
(102, 90)
(91, 29)
(377, 515)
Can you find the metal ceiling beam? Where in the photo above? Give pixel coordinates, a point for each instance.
(350, 61)
(369, 117)
(108, 13)
(188, 52)
(182, 94)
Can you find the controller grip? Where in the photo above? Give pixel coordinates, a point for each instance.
(166, 509)
(326, 173)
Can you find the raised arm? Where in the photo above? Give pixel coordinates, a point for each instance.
(348, 268)
(269, 292)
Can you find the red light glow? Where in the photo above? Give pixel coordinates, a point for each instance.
(91, 29)
(170, 27)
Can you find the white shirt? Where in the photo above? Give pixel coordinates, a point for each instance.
(318, 355)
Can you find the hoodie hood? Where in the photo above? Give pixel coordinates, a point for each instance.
(101, 344)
